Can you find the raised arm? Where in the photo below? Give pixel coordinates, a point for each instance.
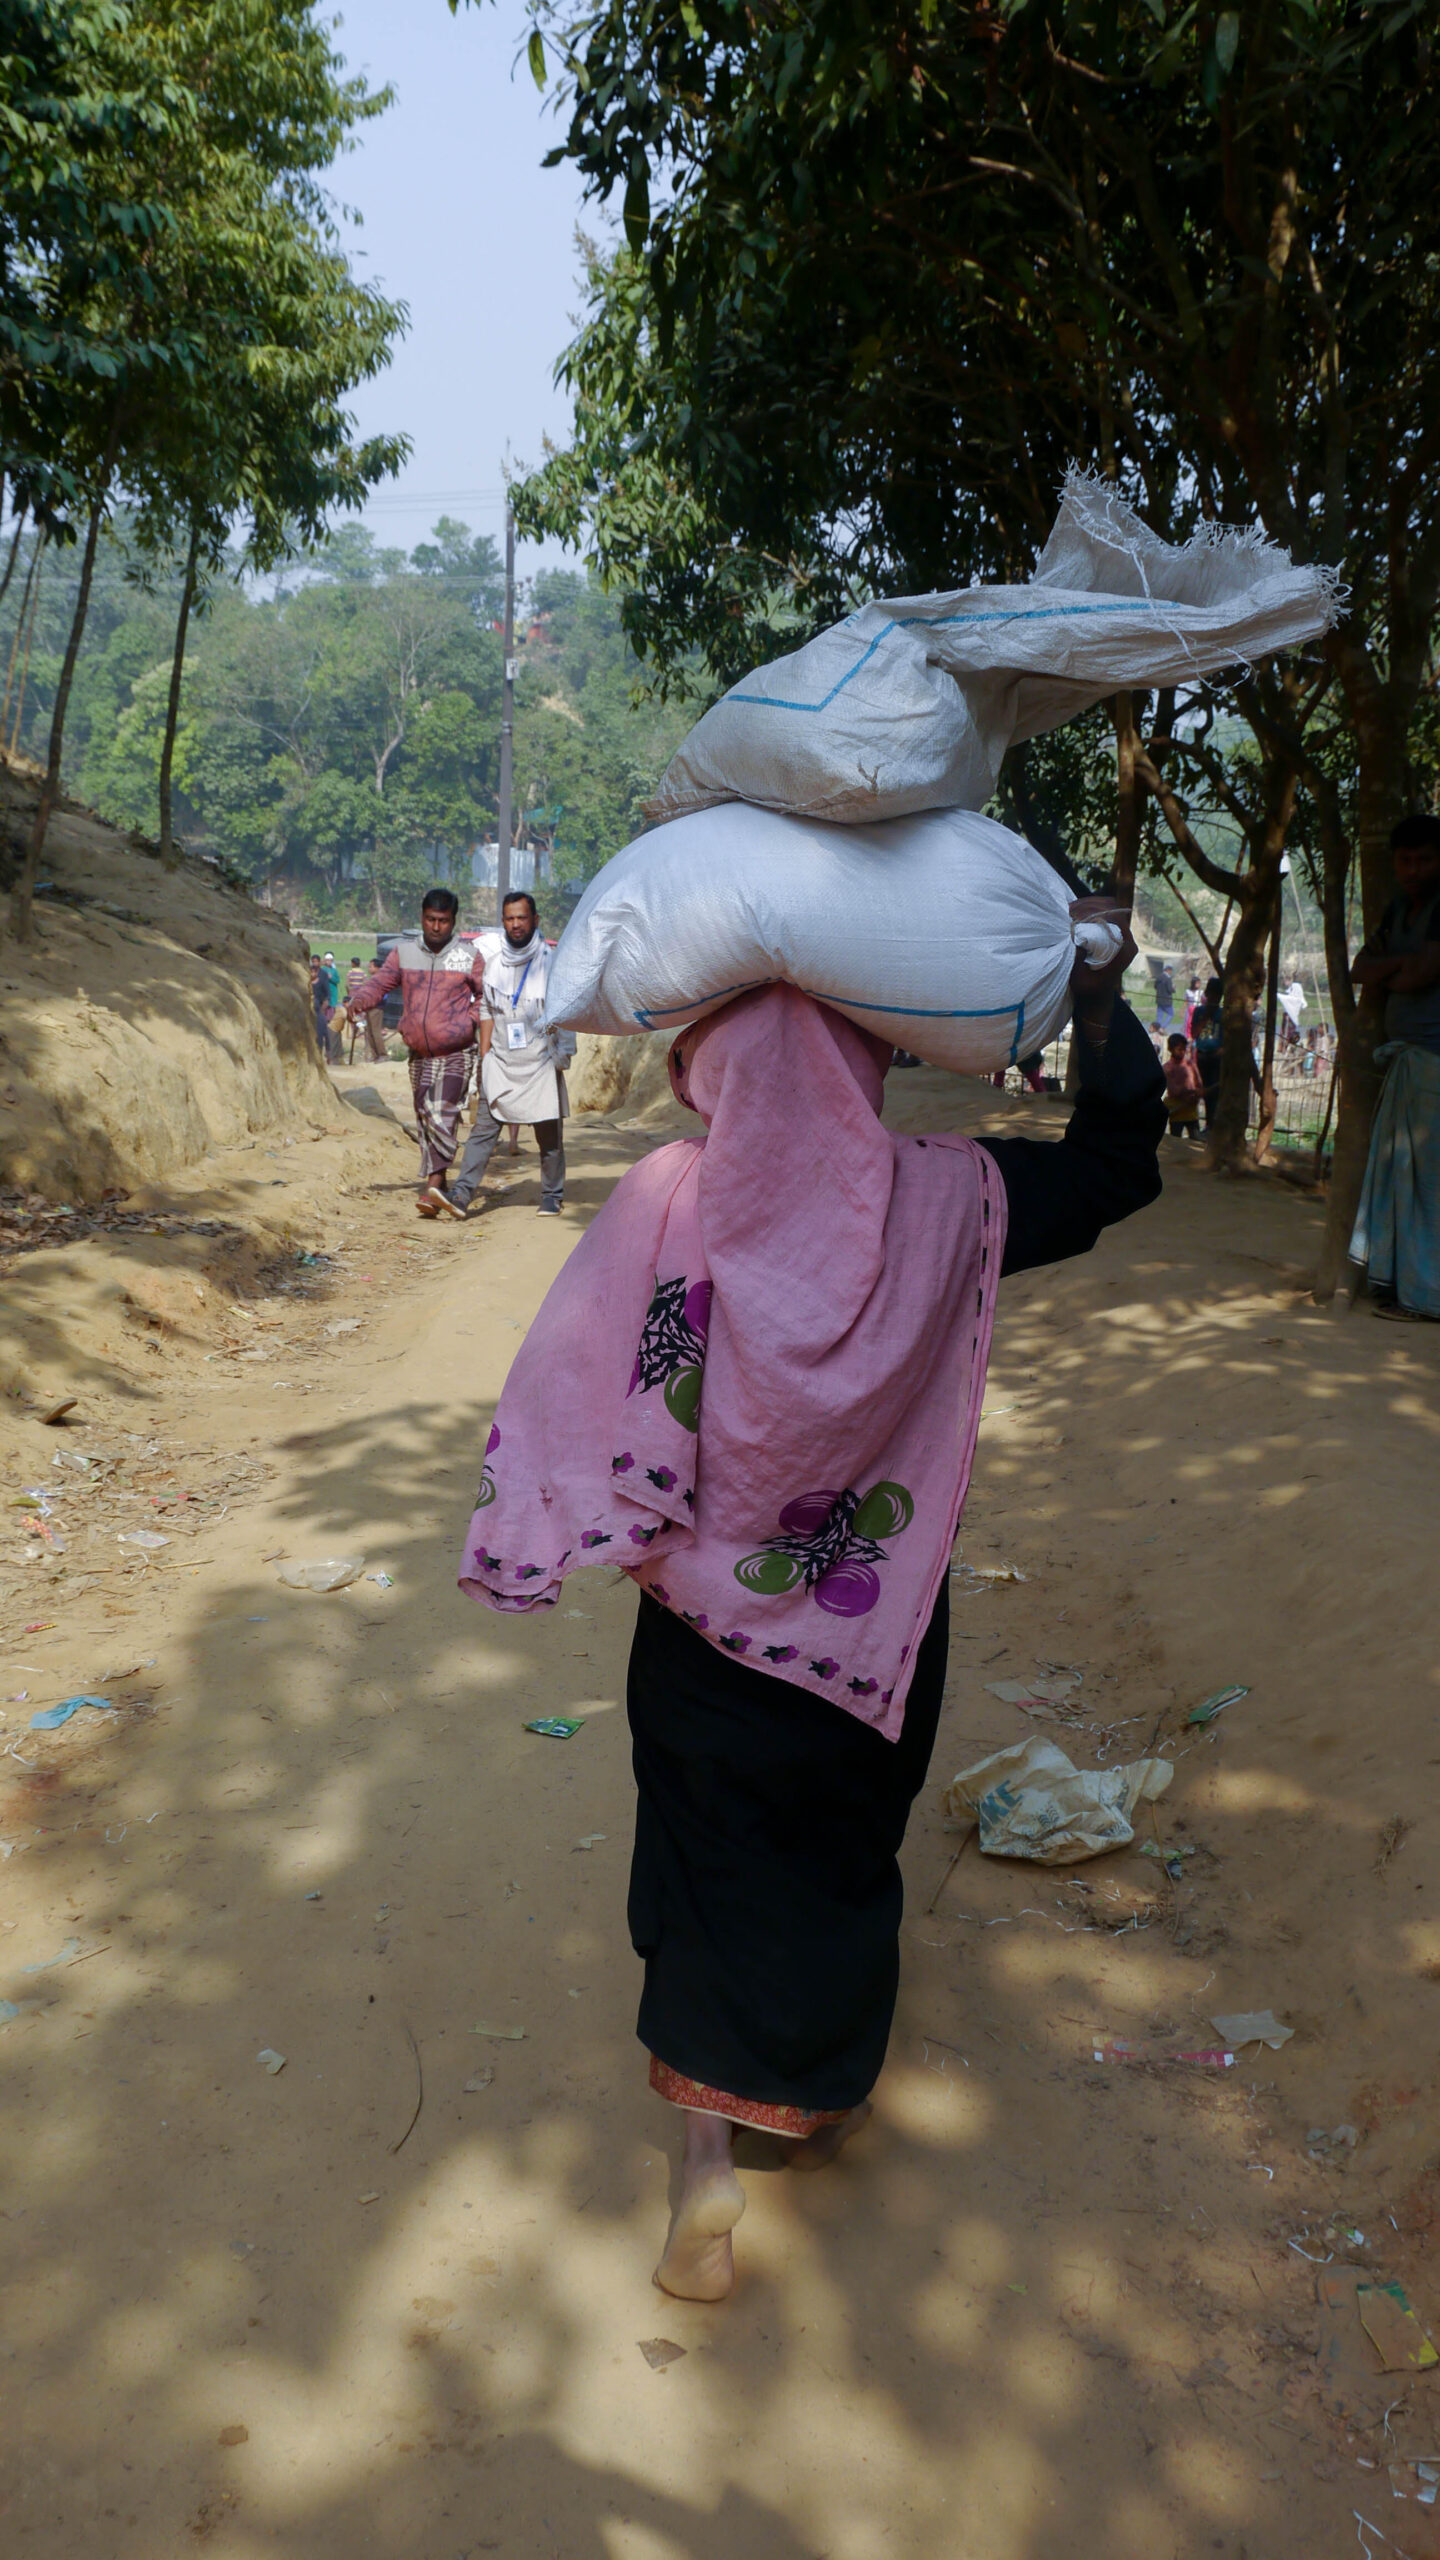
(1062, 1192)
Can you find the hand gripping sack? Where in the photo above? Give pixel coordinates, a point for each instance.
(911, 704)
(944, 933)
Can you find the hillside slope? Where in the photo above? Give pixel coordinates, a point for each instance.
(154, 1016)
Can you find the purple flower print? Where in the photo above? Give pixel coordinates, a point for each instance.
(736, 1643)
(486, 1493)
(825, 1670)
(673, 1334)
(528, 1572)
(695, 1619)
(781, 1652)
(664, 1477)
(621, 1466)
(659, 1592)
(830, 1543)
(641, 1537)
(594, 1537)
(863, 1688)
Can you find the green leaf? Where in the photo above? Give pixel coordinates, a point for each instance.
(637, 207)
(535, 51)
(1227, 40)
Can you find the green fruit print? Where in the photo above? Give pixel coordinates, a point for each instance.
(682, 1397)
(884, 1512)
(769, 1573)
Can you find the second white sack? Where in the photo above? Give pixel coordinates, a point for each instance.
(942, 933)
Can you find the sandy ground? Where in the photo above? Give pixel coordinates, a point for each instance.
(1044, 2306)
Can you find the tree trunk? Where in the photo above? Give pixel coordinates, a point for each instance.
(172, 707)
(1380, 800)
(10, 563)
(1244, 985)
(30, 576)
(1269, 1102)
(22, 896)
(1129, 799)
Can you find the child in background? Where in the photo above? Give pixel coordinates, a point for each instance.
(1183, 1089)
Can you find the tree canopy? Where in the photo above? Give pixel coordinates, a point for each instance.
(883, 277)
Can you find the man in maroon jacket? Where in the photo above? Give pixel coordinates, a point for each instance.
(440, 974)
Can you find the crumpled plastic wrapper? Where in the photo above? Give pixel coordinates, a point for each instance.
(1032, 1802)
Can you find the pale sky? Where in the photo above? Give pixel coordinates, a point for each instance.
(460, 221)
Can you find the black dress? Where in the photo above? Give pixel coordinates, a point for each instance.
(765, 1893)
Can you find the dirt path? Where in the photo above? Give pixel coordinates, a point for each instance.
(1045, 2307)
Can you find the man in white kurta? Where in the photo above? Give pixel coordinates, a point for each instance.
(522, 1064)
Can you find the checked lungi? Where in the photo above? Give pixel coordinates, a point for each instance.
(440, 1086)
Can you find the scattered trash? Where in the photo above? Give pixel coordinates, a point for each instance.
(591, 1840)
(344, 1324)
(371, 2196)
(58, 1412)
(1391, 1835)
(1120, 2049)
(559, 1728)
(272, 2060)
(314, 1897)
(988, 1572)
(1326, 2148)
(49, 1719)
(1034, 1696)
(479, 2080)
(140, 1538)
(38, 1626)
(233, 2435)
(1032, 1802)
(15, 2009)
(1393, 2329)
(419, 2088)
(658, 2352)
(1253, 2026)
(510, 2035)
(1172, 1857)
(1210, 1708)
(331, 1574)
(383, 1581)
(74, 1951)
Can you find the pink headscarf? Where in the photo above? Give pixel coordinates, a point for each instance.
(756, 1383)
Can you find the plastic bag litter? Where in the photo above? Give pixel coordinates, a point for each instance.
(910, 704)
(737, 897)
(1030, 1801)
(331, 1574)
(1253, 2026)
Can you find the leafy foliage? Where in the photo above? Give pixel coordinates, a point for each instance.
(337, 739)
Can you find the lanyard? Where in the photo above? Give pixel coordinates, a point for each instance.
(520, 990)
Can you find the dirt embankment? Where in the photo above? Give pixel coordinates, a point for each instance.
(155, 1015)
(160, 1092)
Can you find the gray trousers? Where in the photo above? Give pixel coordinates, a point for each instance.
(480, 1146)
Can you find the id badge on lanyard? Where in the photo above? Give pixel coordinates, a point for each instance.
(516, 1034)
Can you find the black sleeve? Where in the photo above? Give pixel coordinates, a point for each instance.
(1062, 1191)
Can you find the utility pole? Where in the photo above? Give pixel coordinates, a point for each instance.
(507, 722)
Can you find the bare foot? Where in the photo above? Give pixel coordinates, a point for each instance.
(698, 2263)
(820, 2147)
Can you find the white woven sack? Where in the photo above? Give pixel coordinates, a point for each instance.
(944, 933)
(911, 704)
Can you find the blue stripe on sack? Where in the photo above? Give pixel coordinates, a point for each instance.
(936, 622)
(661, 1017)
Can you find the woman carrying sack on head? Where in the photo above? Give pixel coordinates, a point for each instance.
(756, 1385)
